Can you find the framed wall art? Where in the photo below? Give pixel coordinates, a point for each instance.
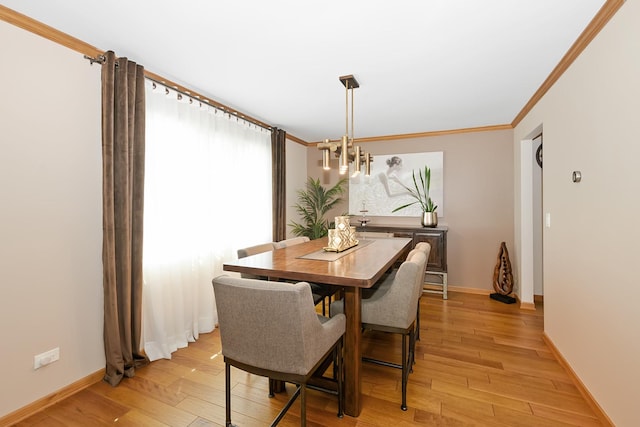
(382, 191)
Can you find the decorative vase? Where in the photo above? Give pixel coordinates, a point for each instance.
(429, 219)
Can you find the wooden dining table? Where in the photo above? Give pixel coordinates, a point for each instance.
(354, 269)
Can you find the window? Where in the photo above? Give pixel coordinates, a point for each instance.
(207, 193)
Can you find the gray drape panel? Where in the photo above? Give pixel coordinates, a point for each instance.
(123, 132)
(279, 183)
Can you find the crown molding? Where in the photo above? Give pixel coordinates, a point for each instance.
(388, 138)
(36, 27)
(50, 33)
(597, 23)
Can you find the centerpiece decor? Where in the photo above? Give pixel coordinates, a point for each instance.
(342, 237)
(420, 193)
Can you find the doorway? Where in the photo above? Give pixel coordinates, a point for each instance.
(537, 191)
(530, 221)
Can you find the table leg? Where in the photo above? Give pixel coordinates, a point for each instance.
(352, 351)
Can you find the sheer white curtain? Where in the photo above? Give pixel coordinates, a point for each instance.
(207, 193)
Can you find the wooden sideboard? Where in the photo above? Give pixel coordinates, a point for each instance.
(436, 272)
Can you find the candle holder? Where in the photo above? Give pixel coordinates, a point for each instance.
(342, 237)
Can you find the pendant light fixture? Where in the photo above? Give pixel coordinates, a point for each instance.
(345, 150)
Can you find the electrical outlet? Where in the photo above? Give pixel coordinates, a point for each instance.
(43, 359)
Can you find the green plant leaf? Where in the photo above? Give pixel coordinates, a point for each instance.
(420, 192)
(313, 203)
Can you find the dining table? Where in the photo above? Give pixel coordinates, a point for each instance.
(354, 269)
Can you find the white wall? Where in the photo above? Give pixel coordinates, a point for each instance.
(50, 217)
(478, 198)
(591, 287)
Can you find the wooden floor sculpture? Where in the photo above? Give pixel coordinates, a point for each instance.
(503, 277)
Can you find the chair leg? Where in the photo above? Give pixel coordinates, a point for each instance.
(303, 405)
(412, 346)
(406, 365)
(283, 411)
(418, 322)
(339, 375)
(412, 350)
(227, 394)
(405, 373)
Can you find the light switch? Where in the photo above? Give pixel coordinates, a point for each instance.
(547, 220)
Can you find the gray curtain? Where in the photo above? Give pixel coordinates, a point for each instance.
(279, 183)
(123, 132)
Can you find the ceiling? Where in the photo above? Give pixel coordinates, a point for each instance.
(422, 65)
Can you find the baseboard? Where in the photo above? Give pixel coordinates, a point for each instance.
(53, 398)
(470, 290)
(531, 305)
(602, 416)
(527, 305)
(476, 291)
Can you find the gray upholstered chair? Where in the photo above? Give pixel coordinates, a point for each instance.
(321, 292)
(290, 242)
(393, 309)
(254, 250)
(425, 248)
(257, 249)
(271, 329)
(318, 294)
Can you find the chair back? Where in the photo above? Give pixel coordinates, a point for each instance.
(397, 306)
(253, 250)
(425, 248)
(290, 242)
(272, 325)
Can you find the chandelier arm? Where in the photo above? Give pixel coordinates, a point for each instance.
(353, 136)
(346, 108)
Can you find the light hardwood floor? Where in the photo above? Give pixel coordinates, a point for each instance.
(479, 362)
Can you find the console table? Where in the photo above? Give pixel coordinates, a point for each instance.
(436, 271)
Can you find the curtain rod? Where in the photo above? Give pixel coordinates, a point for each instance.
(100, 59)
(208, 102)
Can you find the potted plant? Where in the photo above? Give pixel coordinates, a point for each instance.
(313, 204)
(420, 192)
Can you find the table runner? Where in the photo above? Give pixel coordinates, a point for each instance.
(323, 255)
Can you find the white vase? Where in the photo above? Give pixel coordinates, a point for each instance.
(429, 219)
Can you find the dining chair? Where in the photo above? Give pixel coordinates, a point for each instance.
(271, 329)
(425, 248)
(393, 309)
(254, 250)
(322, 290)
(386, 282)
(388, 278)
(290, 242)
(318, 294)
